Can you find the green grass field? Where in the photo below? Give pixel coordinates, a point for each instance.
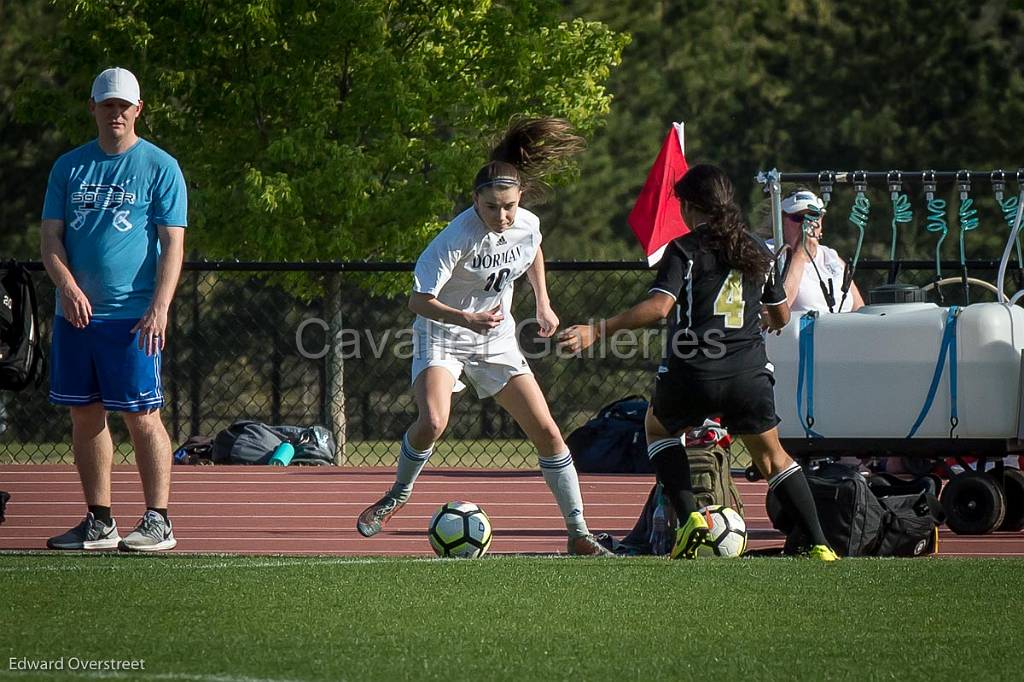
(233, 619)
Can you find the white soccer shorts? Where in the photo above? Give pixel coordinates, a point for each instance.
(488, 367)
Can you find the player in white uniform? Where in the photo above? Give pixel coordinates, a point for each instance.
(462, 296)
(471, 269)
(814, 272)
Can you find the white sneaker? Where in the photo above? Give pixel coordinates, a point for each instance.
(153, 534)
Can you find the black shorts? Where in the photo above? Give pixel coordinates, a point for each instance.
(746, 403)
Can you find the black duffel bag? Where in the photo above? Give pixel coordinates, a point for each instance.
(253, 442)
(857, 521)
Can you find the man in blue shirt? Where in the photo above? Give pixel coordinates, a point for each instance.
(113, 242)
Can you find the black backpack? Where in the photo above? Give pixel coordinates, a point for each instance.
(3, 504)
(253, 442)
(613, 442)
(20, 345)
(861, 520)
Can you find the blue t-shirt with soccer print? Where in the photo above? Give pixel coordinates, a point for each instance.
(111, 205)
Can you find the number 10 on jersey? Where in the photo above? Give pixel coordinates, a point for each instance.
(496, 280)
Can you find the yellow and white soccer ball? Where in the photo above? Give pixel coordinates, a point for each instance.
(727, 534)
(460, 529)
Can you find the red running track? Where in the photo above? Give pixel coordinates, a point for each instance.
(307, 510)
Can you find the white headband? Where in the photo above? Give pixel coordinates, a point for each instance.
(500, 180)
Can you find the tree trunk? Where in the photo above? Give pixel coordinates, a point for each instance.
(335, 365)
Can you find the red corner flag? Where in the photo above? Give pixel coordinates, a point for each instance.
(655, 218)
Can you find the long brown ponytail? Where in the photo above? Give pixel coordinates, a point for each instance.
(529, 150)
(708, 189)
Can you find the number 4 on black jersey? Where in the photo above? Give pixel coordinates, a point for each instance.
(715, 330)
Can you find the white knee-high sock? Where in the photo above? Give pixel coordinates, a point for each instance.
(410, 463)
(560, 475)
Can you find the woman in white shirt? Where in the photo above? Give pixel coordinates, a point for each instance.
(462, 296)
(814, 272)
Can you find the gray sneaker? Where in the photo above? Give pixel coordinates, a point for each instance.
(153, 534)
(91, 533)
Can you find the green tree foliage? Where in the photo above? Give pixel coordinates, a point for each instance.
(28, 146)
(331, 129)
(800, 85)
(338, 130)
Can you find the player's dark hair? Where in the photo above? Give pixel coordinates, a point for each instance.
(708, 189)
(529, 150)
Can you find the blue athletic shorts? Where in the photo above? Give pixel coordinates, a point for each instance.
(103, 363)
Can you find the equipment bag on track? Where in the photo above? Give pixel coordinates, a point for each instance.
(20, 346)
(857, 522)
(253, 442)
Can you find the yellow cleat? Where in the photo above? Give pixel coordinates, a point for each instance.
(690, 537)
(822, 553)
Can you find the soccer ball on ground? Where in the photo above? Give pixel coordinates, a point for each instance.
(727, 534)
(460, 529)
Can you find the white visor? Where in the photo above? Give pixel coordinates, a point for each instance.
(804, 200)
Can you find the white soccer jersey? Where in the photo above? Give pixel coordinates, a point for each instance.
(468, 267)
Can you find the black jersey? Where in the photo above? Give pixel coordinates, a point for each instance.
(715, 331)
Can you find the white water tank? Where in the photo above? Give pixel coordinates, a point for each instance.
(873, 368)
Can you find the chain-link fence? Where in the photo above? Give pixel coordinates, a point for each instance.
(330, 343)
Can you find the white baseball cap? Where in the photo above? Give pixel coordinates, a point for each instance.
(116, 83)
(802, 200)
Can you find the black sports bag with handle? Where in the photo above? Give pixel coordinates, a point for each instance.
(21, 353)
(857, 522)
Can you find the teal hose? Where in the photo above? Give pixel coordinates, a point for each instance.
(968, 221)
(859, 218)
(813, 215)
(809, 217)
(902, 212)
(937, 223)
(1008, 207)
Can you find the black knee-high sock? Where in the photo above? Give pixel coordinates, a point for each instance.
(673, 468)
(790, 486)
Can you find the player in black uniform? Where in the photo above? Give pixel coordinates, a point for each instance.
(722, 285)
